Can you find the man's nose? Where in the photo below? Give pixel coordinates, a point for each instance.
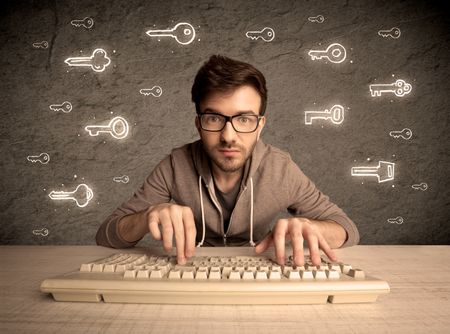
(228, 133)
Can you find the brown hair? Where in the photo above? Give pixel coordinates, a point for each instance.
(222, 74)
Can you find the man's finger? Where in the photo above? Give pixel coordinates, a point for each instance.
(178, 229)
(153, 222)
(190, 232)
(314, 252)
(323, 244)
(279, 239)
(297, 245)
(264, 244)
(167, 230)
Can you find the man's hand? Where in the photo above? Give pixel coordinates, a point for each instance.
(174, 220)
(297, 230)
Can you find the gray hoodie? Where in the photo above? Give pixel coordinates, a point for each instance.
(271, 183)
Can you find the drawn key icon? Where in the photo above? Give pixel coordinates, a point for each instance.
(335, 53)
(87, 22)
(81, 195)
(117, 127)
(384, 171)
(400, 88)
(98, 61)
(335, 114)
(184, 33)
(267, 34)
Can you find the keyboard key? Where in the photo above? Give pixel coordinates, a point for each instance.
(356, 273)
(97, 267)
(235, 275)
(248, 275)
(333, 274)
(345, 268)
(214, 275)
(201, 274)
(143, 273)
(226, 271)
(261, 275)
(307, 275)
(175, 274)
(157, 273)
(188, 274)
(130, 274)
(294, 274)
(319, 274)
(275, 275)
(86, 267)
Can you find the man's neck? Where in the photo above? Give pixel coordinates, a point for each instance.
(226, 181)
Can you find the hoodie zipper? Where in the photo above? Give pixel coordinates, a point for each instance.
(231, 217)
(220, 211)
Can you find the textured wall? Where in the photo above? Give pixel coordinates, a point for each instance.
(35, 76)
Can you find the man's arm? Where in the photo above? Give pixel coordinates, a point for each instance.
(334, 234)
(316, 220)
(133, 227)
(155, 189)
(175, 220)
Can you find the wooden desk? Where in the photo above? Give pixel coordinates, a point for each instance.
(419, 301)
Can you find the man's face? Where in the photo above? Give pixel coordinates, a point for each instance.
(228, 149)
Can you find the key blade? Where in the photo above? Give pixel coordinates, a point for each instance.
(79, 61)
(253, 34)
(93, 130)
(57, 195)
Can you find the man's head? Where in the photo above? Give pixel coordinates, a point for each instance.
(225, 88)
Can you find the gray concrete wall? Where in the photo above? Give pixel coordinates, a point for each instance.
(34, 76)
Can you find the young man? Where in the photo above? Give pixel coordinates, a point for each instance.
(228, 187)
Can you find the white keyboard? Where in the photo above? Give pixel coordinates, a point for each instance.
(213, 279)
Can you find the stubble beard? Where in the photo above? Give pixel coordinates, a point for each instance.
(230, 164)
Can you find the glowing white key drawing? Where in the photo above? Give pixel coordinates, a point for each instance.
(397, 220)
(393, 33)
(317, 19)
(184, 33)
(81, 195)
(422, 186)
(267, 34)
(399, 88)
(43, 158)
(117, 127)
(405, 134)
(156, 91)
(65, 107)
(87, 23)
(43, 231)
(384, 171)
(41, 45)
(335, 114)
(98, 61)
(123, 179)
(335, 53)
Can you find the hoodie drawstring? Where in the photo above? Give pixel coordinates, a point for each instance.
(251, 213)
(200, 244)
(252, 243)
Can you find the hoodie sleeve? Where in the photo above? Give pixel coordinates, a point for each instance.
(156, 189)
(308, 201)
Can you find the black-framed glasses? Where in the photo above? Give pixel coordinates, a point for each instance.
(244, 123)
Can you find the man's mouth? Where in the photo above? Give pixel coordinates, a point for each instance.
(229, 152)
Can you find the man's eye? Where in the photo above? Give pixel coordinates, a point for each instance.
(244, 119)
(213, 119)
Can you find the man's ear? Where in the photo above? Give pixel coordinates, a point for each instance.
(197, 124)
(261, 124)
